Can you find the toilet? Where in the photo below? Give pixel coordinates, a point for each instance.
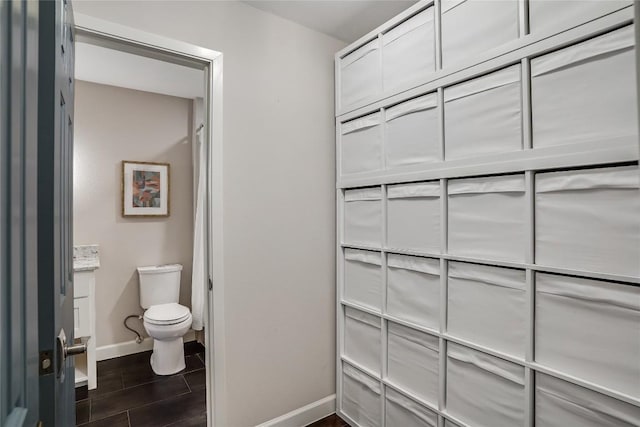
(165, 320)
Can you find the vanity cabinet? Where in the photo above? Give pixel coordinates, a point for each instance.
(84, 325)
(84, 281)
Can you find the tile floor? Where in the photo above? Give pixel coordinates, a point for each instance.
(129, 394)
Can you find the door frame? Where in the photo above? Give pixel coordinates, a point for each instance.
(131, 40)
(19, 362)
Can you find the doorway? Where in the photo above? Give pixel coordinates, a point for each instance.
(206, 130)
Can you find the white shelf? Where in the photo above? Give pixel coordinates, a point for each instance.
(526, 46)
(508, 264)
(613, 151)
(529, 161)
(367, 371)
(450, 338)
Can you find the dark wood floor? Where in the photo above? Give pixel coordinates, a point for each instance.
(330, 421)
(129, 394)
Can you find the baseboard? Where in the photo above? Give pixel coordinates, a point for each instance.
(306, 415)
(131, 347)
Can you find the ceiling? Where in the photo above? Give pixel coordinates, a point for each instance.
(116, 68)
(346, 20)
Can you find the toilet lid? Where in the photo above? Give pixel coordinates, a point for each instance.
(166, 314)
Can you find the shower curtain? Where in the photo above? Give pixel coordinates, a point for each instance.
(198, 279)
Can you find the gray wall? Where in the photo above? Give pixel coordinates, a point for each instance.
(279, 191)
(114, 124)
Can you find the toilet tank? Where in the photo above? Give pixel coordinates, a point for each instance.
(159, 284)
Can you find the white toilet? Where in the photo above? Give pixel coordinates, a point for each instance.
(165, 320)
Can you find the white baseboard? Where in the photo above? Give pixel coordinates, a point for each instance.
(306, 415)
(131, 347)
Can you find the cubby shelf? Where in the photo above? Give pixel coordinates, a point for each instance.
(531, 52)
(507, 264)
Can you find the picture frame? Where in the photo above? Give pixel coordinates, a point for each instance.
(145, 189)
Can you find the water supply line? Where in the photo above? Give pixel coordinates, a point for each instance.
(138, 336)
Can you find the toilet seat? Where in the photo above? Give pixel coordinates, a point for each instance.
(166, 314)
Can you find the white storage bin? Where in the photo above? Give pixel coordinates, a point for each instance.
(360, 75)
(487, 306)
(412, 136)
(404, 412)
(363, 278)
(412, 362)
(585, 92)
(482, 390)
(413, 216)
(362, 339)
(472, 27)
(487, 217)
(361, 145)
(589, 220)
(545, 15)
(363, 216)
(601, 320)
(483, 116)
(413, 289)
(562, 404)
(408, 51)
(361, 397)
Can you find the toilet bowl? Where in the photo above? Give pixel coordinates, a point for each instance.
(165, 320)
(167, 324)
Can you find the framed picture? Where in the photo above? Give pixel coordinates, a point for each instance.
(145, 189)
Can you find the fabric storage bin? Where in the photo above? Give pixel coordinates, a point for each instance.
(482, 390)
(412, 135)
(363, 216)
(413, 216)
(602, 322)
(360, 74)
(483, 116)
(412, 361)
(413, 289)
(361, 145)
(486, 24)
(408, 51)
(404, 412)
(561, 404)
(564, 14)
(585, 92)
(589, 220)
(361, 397)
(362, 338)
(482, 301)
(487, 217)
(363, 278)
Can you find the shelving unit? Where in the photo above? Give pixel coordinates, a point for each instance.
(613, 156)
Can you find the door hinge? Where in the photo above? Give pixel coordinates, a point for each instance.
(210, 284)
(46, 362)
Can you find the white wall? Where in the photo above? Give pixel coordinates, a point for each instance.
(114, 124)
(279, 217)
